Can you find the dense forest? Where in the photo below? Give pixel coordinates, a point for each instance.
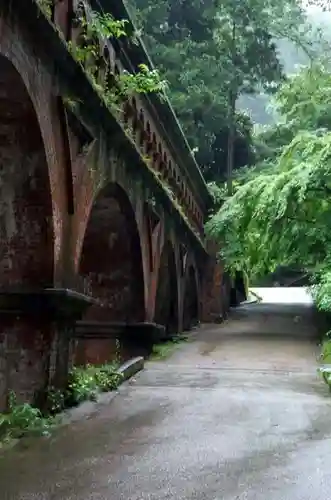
(222, 60)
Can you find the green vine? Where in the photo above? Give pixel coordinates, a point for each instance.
(143, 82)
(105, 26)
(87, 54)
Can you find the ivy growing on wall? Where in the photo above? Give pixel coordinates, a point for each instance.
(114, 91)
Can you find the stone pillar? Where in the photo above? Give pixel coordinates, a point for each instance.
(215, 290)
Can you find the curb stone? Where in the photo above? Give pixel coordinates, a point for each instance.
(132, 367)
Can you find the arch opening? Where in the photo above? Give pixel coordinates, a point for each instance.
(111, 259)
(191, 301)
(26, 230)
(26, 235)
(238, 290)
(166, 304)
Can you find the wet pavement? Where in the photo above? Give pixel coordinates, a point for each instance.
(237, 413)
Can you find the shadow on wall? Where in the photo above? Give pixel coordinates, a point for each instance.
(191, 301)
(238, 293)
(111, 270)
(111, 261)
(166, 304)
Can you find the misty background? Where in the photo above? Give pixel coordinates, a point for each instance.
(258, 107)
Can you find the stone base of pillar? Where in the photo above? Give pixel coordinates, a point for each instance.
(215, 292)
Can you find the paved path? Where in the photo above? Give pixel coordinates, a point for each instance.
(236, 414)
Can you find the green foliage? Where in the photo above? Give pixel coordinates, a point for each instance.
(270, 141)
(82, 386)
(86, 382)
(108, 378)
(304, 101)
(282, 214)
(326, 351)
(321, 289)
(104, 26)
(218, 192)
(165, 349)
(280, 217)
(207, 49)
(22, 420)
(55, 401)
(144, 82)
(325, 369)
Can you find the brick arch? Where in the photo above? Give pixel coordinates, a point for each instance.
(26, 213)
(110, 265)
(26, 235)
(166, 310)
(191, 294)
(39, 90)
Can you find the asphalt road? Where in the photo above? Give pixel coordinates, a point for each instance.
(238, 413)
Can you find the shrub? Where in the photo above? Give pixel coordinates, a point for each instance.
(84, 383)
(82, 386)
(21, 420)
(55, 401)
(107, 377)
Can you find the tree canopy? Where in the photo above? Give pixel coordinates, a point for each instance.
(281, 215)
(211, 52)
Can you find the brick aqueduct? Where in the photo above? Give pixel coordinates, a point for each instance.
(91, 205)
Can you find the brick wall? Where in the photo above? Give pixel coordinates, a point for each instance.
(215, 292)
(24, 359)
(41, 244)
(111, 262)
(26, 235)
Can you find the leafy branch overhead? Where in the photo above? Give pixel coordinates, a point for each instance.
(282, 216)
(213, 52)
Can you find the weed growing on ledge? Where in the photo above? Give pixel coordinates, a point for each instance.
(104, 26)
(165, 349)
(143, 82)
(85, 383)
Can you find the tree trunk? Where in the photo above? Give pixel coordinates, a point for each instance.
(231, 138)
(232, 112)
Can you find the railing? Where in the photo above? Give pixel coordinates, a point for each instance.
(136, 113)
